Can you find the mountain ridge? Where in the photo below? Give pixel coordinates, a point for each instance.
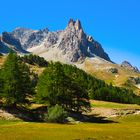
(72, 42)
(69, 45)
(128, 65)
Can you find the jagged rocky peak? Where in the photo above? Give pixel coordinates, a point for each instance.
(71, 22)
(74, 28)
(76, 24)
(77, 45)
(72, 43)
(128, 65)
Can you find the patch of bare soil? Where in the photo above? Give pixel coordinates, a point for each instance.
(4, 115)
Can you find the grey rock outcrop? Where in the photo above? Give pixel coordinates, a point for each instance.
(29, 38)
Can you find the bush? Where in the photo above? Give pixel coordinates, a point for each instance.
(56, 114)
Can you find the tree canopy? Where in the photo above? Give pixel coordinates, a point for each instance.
(54, 87)
(16, 81)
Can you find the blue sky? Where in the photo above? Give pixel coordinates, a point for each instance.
(114, 23)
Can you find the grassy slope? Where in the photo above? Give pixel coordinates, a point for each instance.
(2, 58)
(126, 128)
(99, 69)
(112, 105)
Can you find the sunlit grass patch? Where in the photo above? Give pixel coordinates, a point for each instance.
(104, 104)
(126, 128)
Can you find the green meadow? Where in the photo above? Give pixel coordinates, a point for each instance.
(125, 128)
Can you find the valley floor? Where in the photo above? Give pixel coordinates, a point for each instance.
(125, 125)
(123, 128)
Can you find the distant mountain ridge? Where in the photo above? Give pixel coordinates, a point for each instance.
(68, 45)
(127, 65)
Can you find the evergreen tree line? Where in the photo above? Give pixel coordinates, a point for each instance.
(61, 84)
(34, 60)
(98, 89)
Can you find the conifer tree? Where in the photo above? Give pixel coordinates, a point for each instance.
(17, 83)
(1, 84)
(54, 87)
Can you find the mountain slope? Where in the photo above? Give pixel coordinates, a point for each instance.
(68, 45)
(102, 69)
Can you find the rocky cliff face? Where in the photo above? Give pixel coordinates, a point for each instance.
(68, 45)
(77, 44)
(29, 38)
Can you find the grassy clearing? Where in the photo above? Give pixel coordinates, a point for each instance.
(95, 103)
(127, 128)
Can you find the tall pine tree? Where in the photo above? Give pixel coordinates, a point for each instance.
(17, 83)
(1, 84)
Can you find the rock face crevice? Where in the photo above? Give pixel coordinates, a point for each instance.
(71, 44)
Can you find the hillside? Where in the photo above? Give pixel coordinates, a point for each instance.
(102, 69)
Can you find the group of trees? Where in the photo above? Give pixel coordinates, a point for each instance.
(115, 94)
(98, 89)
(55, 87)
(15, 81)
(59, 84)
(34, 60)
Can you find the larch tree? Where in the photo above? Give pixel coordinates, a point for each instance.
(54, 87)
(17, 84)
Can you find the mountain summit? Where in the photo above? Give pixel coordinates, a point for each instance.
(127, 65)
(69, 45)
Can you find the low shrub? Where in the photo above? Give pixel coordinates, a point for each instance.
(56, 114)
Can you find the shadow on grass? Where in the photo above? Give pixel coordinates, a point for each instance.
(91, 118)
(35, 115)
(24, 113)
(99, 119)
